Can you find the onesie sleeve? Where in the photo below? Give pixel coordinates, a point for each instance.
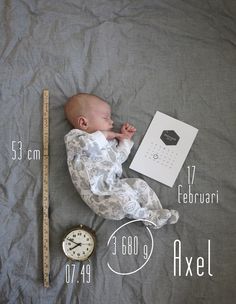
(123, 149)
(79, 142)
(89, 168)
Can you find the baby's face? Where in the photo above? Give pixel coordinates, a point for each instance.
(99, 117)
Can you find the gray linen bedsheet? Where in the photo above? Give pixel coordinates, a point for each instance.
(178, 57)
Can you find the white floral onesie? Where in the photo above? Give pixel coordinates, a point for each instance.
(95, 166)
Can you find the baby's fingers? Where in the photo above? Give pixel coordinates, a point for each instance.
(131, 128)
(128, 126)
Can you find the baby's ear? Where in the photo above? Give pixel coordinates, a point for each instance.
(82, 123)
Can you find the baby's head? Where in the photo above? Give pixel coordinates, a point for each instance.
(88, 113)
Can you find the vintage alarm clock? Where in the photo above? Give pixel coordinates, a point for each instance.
(79, 243)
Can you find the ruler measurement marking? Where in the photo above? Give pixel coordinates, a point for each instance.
(45, 196)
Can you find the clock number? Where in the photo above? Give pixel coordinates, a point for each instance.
(70, 273)
(85, 272)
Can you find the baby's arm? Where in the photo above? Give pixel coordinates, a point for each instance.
(124, 147)
(84, 143)
(81, 147)
(125, 143)
(112, 135)
(127, 131)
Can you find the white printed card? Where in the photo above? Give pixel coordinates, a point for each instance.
(164, 149)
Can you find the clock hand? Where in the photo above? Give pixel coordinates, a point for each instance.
(72, 241)
(79, 244)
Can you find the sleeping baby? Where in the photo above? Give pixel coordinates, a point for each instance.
(95, 154)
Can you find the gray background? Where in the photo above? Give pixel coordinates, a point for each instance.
(175, 56)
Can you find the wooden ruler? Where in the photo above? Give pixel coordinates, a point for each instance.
(45, 197)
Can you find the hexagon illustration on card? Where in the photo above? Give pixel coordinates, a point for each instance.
(170, 137)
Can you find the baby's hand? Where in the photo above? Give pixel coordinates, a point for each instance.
(111, 135)
(128, 130)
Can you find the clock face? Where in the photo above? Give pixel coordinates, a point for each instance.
(79, 244)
